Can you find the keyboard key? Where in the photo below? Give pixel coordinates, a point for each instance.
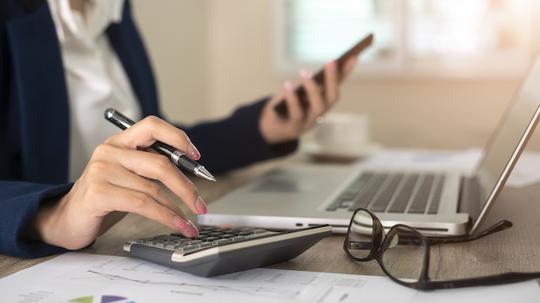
(385, 195)
(345, 204)
(436, 198)
(332, 207)
(367, 194)
(401, 200)
(347, 197)
(419, 203)
(355, 187)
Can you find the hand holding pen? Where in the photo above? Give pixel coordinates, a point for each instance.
(176, 156)
(118, 179)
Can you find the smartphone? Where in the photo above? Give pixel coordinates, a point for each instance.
(281, 107)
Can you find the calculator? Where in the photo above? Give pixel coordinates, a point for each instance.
(218, 250)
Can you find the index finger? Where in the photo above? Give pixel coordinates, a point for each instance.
(151, 129)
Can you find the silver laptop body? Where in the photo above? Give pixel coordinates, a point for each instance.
(435, 202)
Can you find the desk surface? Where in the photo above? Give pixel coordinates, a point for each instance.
(516, 249)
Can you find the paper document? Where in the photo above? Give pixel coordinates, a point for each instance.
(85, 278)
(526, 172)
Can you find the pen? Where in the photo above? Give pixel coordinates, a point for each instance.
(176, 156)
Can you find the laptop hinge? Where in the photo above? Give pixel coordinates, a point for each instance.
(469, 197)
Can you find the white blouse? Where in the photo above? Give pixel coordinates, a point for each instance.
(95, 77)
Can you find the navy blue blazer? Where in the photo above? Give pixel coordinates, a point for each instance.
(34, 118)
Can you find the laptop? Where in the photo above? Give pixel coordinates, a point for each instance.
(435, 202)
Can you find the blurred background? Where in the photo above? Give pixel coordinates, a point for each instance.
(440, 73)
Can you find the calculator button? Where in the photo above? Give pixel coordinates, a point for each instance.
(211, 228)
(165, 237)
(238, 229)
(191, 248)
(222, 241)
(211, 239)
(194, 242)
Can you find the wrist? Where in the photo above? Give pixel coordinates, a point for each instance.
(47, 221)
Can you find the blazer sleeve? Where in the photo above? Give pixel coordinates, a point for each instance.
(19, 203)
(235, 141)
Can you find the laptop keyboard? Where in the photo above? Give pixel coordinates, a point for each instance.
(415, 193)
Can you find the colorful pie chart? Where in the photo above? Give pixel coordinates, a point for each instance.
(102, 299)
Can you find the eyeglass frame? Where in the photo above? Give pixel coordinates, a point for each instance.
(381, 242)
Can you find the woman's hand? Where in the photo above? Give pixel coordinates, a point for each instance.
(276, 129)
(120, 178)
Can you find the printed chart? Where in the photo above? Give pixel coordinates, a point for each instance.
(85, 278)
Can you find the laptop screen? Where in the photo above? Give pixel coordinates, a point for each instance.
(509, 139)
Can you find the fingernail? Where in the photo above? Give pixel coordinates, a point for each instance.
(193, 152)
(186, 227)
(305, 74)
(200, 205)
(332, 64)
(288, 86)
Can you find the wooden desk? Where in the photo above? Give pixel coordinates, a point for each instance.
(516, 249)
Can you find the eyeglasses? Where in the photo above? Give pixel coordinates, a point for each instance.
(403, 252)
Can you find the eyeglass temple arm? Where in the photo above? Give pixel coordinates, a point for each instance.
(511, 277)
(500, 226)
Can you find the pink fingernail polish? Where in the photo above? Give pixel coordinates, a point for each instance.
(305, 74)
(200, 205)
(193, 152)
(288, 86)
(194, 229)
(186, 227)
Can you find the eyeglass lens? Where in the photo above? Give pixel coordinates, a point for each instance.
(403, 254)
(361, 235)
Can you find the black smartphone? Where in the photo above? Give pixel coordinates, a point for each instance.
(281, 107)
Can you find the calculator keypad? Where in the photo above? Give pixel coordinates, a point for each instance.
(209, 236)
